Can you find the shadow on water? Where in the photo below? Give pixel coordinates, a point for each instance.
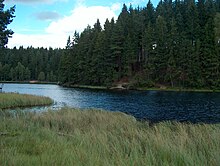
(153, 106)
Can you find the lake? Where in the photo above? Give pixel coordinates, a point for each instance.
(151, 105)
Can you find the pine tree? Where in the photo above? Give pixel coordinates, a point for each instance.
(6, 17)
(68, 44)
(217, 5)
(161, 49)
(20, 71)
(107, 48)
(149, 13)
(1, 71)
(172, 45)
(12, 74)
(207, 50)
(5, 72)
(27, 74)
(41, 76)
(149, 43)
(117, 48)
(217, 41)
(191, 22)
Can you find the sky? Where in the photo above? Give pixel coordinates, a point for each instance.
(48, 23)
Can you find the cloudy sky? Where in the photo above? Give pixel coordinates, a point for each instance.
(48, 23)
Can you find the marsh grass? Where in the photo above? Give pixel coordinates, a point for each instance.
(75, 137)
(14, 100)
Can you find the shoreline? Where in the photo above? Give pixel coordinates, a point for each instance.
(116, 88)
(141, 89)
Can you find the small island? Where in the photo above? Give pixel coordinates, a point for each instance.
(15, 100)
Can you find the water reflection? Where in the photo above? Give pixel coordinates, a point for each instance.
(151, 105)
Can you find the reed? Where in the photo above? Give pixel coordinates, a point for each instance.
(91, 137)
(14, 100)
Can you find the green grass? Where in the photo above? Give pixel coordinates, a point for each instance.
(74, 137)
(14, 100)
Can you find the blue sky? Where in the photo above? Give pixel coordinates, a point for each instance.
(48, 23)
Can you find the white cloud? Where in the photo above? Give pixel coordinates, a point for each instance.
(38, 40)
(57, 32)
(80, 18)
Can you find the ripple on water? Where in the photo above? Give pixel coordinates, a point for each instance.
(152, 105)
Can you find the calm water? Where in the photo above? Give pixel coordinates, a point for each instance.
(151, 105)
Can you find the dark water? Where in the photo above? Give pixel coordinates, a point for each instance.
(151, 105)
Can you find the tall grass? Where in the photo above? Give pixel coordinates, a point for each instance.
(13, 100)
(74, 137)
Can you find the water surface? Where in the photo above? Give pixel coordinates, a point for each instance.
(151, 105)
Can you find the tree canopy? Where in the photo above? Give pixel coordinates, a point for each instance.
(176, 44)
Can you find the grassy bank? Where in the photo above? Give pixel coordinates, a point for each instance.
(14, 100)
(74, 137)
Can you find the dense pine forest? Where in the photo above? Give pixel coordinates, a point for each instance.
(176, 44)
(30, 64)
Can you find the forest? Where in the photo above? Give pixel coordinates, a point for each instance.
(176, 44)
(30, 64)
